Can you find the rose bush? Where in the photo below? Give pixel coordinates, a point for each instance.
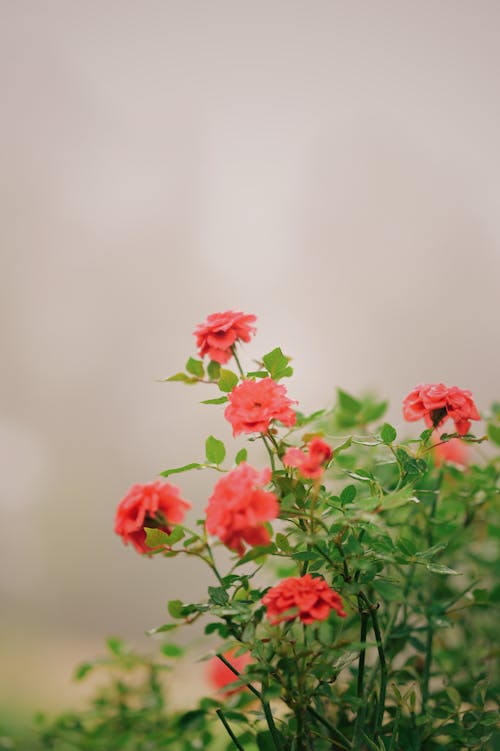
(359, 606)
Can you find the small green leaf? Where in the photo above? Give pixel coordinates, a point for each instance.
(494, 433)
(258, 374)
(195, 367)
(388, 433)
(218, 595)
(227, 380)
(282, 542)
(182, 377)
(454, 696)
(218, 400)
(348, 403)
(213, 370)
(115, 646)
(438, 568)
(343, 446)
(171, 650)
(156, 538)
(185, 468)
(241, 456)
(175, 608)
(277, 364)
(162, 629)
(83, 670)
(426, 434)
(348, 494)
(481, 596)
(215, 450)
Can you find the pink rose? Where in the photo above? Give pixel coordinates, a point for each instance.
(254, 404)
(216, 336)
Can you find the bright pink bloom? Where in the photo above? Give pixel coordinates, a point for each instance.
(309, 598)
(435, 403)
(156, 504)
(455, 451)
(254, 404)
(238, 508)
(309, 464)
(220, 675)
(216, 335)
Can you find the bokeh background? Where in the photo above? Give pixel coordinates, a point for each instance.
(332, 167)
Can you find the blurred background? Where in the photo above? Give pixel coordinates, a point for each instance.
(332, 167)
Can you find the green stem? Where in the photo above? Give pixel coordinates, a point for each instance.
(358, 726)
(270, 452)
(331, 728)
(234, 739)
(383, 672)
(238, 364)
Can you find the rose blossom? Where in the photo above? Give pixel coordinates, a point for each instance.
(216, 336)
(309, 598)
(155, 504)
(435, 403)
(220, 675)
(238, 508)
(309, 464)
(253, 404)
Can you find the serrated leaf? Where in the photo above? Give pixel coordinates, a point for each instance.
(348, 403)
(388, 433)
(195, 367)
(171, 650)
(277, 364)
(494, 433)
(241, 456)
(227, 380)
(185, 468)
(213, 370)
(218, 400)
(215, 450)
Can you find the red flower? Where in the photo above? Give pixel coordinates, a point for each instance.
(156, 504)
(238, 508)
(253, 404)
(221, 331)
(455, 451)
(435, 403)
(311, 464)
(309, 598)
(220, 675)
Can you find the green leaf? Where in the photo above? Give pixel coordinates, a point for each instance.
(115, 646)
(195, 367)
(175, 608)
(213, 370)
(343, 446)
(361, 474)
(215, 450)
(227, 380)
(185, 468)
(218, 595)
(282, 542)
(241, 456)
(171, 650)
(481, 596)
(438, 568)
(494, 433)
(348, 494)
(156, 538)
(265, 741)
(277, 364)
(162, 629)
(399, 498)
(348, 403)
(83, 670)
(182, 377)
(218, 400)
(258, 374)
(454, 696)
(388, 433)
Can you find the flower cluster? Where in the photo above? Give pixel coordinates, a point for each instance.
(306, 597)
(310, 464)
(253, 405)
(217, 335)
(435, 403)
(155, 504)
(239, 507)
